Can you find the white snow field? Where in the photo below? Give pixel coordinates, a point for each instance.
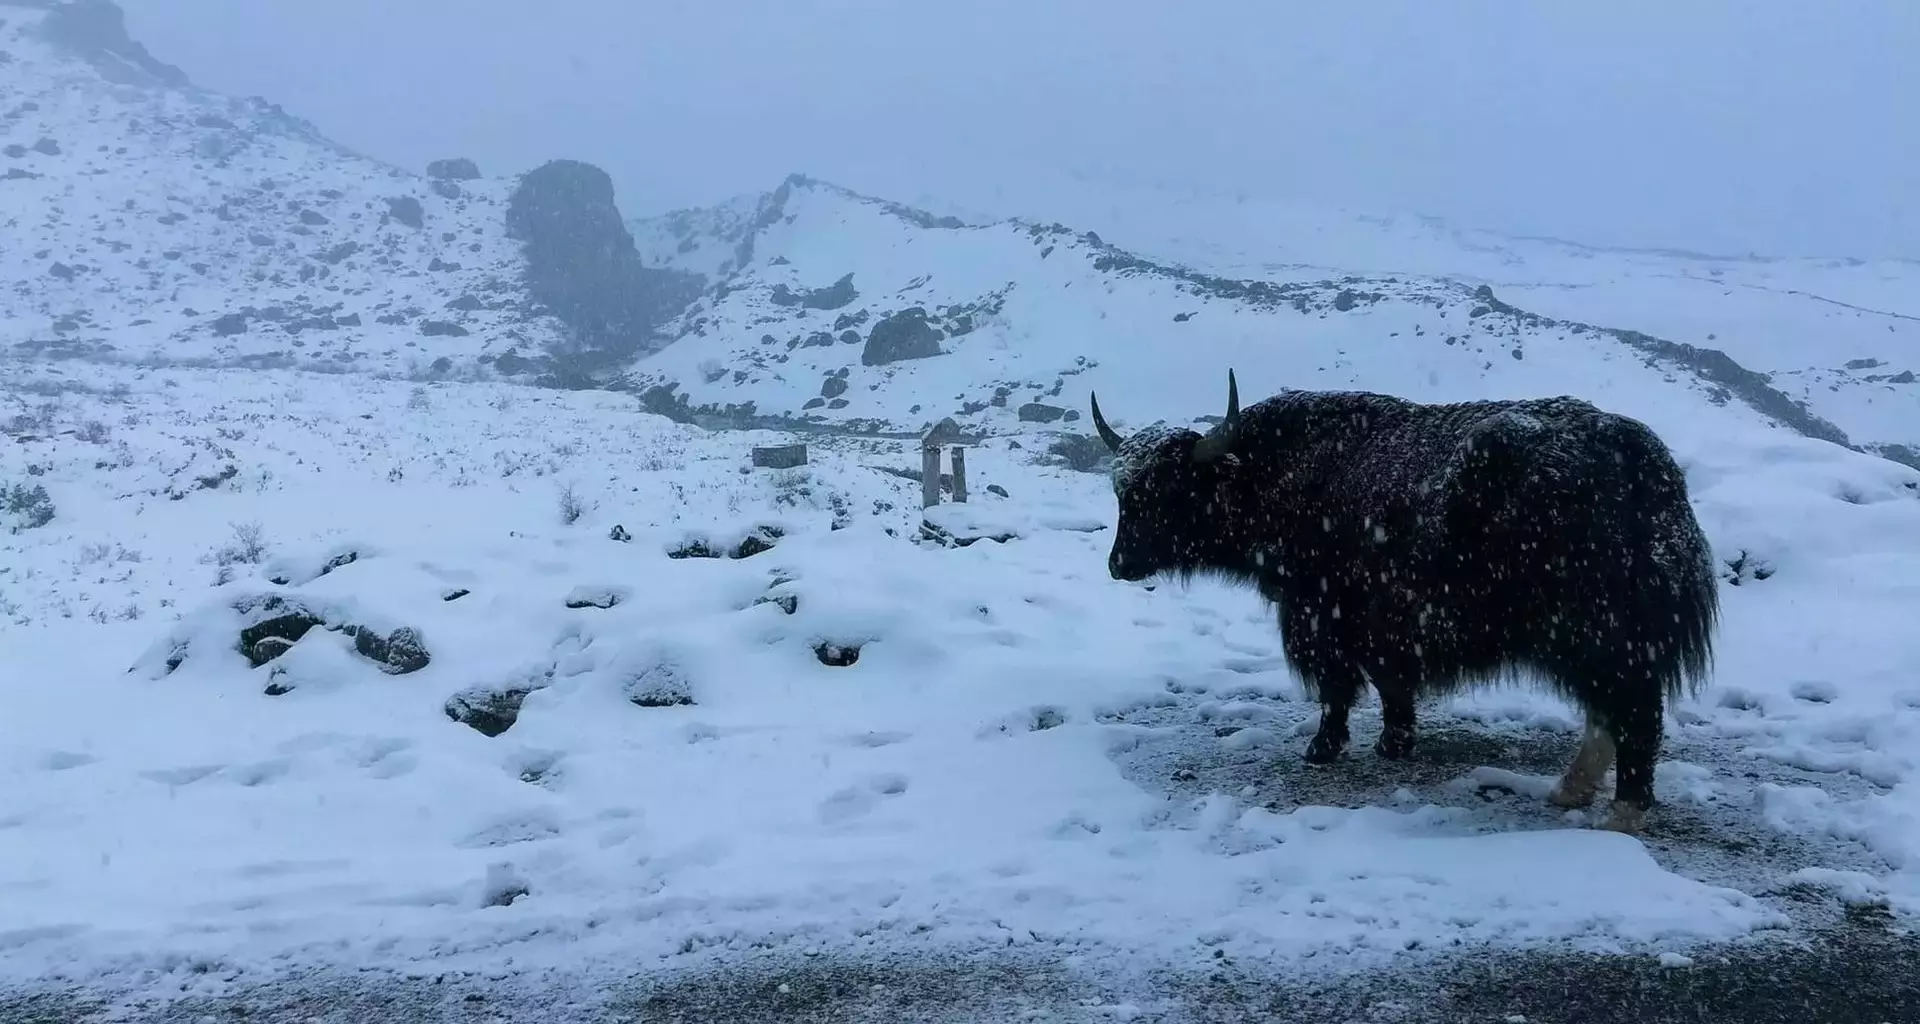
(1024, 754)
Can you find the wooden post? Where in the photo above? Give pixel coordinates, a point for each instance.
(929, 475)
(959, 473)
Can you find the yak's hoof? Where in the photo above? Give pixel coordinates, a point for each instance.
(1625, 818)
(1570, 797)
(1394, 744)
(1322, 750)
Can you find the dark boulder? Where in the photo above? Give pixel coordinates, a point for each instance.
(582, 265)
(899, 336)
(488, 712)
(407, 210)
(271, 637)
(834, 296)
(836, 655)
(661, 685)
(1040, 412)
(761, 538)
(334, 254)
(397, 653)
(97, 31)
(453, 169)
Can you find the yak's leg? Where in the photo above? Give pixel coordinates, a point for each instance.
(1330, 740)
(1577, 787)
(1397, 732)
(1636, 733)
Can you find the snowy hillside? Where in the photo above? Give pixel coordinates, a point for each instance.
(981, 320)
(146, 219)
(1841, 334)
(310, 672)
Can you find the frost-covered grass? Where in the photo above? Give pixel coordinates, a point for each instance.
(1025, 753)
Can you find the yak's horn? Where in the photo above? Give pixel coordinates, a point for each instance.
(1220, 439)
(1108, 434)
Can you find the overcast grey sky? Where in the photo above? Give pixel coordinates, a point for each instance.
(1776, 126)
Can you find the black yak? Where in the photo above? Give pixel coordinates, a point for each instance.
(1422, 548)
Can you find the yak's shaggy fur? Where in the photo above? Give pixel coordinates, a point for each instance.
(1422, 548)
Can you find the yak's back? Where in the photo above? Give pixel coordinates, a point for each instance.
(1357, 451)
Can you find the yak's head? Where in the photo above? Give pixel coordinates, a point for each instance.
(1174, 487)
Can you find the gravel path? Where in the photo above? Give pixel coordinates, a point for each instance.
(1860, 974)
(1849, 964)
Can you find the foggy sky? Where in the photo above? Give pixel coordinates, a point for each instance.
(1728, 126)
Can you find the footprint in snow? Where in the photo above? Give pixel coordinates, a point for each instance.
(618, 825)
(283, 868)
(1254, 665)
(858, 801)
(259, 773)
(876, 738)
(1814, 691)
(512, 827)
(181, 776)
(384, 758)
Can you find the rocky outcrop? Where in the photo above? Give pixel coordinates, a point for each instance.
(97, 31)
(660, 685)
(1041, 412)
(457, 168)
(489, 711)
(407, 210)
(834, 296)
(582, 265)
(902, 335)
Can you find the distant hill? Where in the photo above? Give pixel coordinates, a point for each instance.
(842, 308)
(149, 220)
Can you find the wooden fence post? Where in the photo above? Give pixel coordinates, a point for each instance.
(959, 473)
(929, 475)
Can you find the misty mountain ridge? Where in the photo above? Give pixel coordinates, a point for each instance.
(152, 221)
(851, 309)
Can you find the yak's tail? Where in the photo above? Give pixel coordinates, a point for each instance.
(1675, 594)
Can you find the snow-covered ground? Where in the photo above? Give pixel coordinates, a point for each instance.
(1025, 753)
(314, 671)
